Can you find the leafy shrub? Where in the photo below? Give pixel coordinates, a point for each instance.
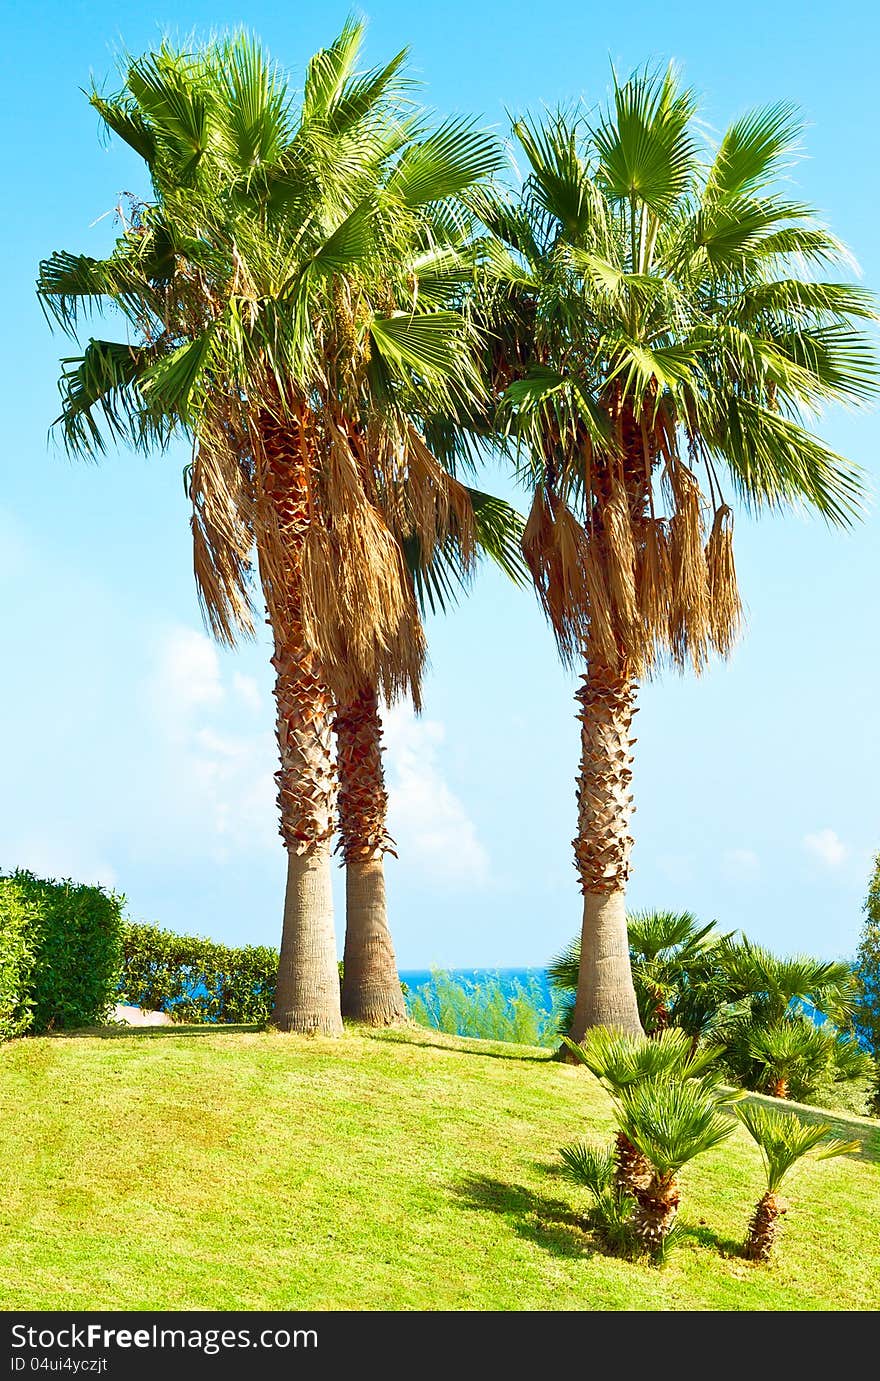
(487, 1008)
(16, 960)
(73, 934)
(196, 980)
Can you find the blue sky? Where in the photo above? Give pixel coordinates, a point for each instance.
(134, 753)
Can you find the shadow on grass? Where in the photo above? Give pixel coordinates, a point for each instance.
(459, 1045)
(549, 1223)
(708, 1237)
(153, 1033)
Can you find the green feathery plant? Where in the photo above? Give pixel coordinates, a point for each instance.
(611, 1211)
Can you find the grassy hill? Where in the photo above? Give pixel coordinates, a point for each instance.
(202, 1169)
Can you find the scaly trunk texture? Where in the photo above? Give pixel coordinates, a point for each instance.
(605, 995)
(307, 995)
(632, 1170)
(371, 991)
(654, 1213)
(779, 1087)
(763, 1228)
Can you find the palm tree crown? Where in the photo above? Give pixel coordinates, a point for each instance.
(295, 268)
(662, 318)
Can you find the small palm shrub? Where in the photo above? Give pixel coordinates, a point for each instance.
(669, 1108)
(732, 993)
(619, 1060)
(610, 1215)
(793, 1057)
(784, 1139)
(487, 1008)
(670, 1121)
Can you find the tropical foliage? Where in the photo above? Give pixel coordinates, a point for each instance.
(784, 1025)
(868, 962)
(668, 1108)
(784, 1139)
(488, 1007)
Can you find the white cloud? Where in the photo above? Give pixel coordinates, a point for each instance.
(430, 824)
(247, 690)
(187, 674)
(61, 858)
(741, 863)
(827, 846)
(215, 769)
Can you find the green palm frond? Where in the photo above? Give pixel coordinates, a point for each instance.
(590, 1166)
(645, 146)
(775, 463)
(446, 162)
(784, 1139)
(653, 934)
(619, 1060)
(102, 400)
(671, 1121)
(125, 120)
(754, 150)
(255, 110)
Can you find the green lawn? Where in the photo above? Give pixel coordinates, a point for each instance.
(237, 1169)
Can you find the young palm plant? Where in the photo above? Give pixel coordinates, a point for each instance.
(784, 1139)
(621, 1061)
(669, 1121)
(611, 1213)
(271, 290)
(795, 1055)
(659, 316)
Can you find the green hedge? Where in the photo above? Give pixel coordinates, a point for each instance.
(62, 952)
(16, 960)
(197, 980)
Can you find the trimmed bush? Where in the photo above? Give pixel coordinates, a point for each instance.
(196, 980)
(16, 960)
(70, 950)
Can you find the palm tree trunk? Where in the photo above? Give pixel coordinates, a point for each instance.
(371, 991)
(763, 1228)
(307, 993)
(605, 993)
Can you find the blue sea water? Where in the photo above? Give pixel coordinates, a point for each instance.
(508, 978)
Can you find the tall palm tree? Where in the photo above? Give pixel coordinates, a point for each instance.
(371, 991)
(271, 295)
(660, 317)
(784, 1139)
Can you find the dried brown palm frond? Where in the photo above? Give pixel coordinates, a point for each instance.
(725, 606)
(654, 584)
(601, 640)
(222, 525)
(690, 622)
(358, 607)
